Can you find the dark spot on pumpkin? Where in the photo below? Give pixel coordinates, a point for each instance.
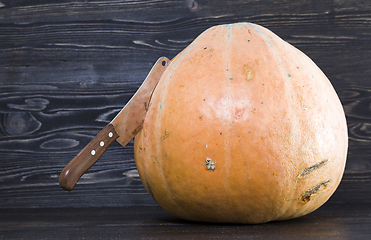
(150, 190)
(166, 135)
(313, 168)
(247, 71)
(239, 112)
(305, 198)
(210, 165)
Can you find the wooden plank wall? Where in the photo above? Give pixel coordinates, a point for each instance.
(67, 67)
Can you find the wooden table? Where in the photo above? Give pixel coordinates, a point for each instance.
(331, 221)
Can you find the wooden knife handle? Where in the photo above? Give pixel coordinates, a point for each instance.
(87, 157)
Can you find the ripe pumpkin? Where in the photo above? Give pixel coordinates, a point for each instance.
(242, 128)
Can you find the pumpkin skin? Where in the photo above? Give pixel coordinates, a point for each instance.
(242, 128)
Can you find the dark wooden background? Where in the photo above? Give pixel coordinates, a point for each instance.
(67, 67)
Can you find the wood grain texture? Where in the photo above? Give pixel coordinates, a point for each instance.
(332, 221)
(68, 67)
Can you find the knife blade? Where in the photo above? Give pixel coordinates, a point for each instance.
(127, 123)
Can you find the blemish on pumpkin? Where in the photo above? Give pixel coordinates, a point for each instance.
(210, 165)
(239, 112)
(305, 198)
(313, 168)
(166, 135)
(229, 29)
(150, 190)
(289, 75)
(247, 71)
(200, 117)
(155, 160)
(145, 134)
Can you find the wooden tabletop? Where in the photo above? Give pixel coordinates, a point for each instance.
(331, 221)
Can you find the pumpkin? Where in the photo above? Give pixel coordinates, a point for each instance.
(242, 128)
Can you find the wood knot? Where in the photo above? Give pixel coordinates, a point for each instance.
(18, 123)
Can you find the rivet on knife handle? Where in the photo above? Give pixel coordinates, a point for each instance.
(87, 157)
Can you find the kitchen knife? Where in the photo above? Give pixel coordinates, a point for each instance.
(127, 123)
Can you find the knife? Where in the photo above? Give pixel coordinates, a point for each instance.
(127, 123)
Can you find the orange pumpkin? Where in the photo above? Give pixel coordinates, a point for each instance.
(242, 128)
